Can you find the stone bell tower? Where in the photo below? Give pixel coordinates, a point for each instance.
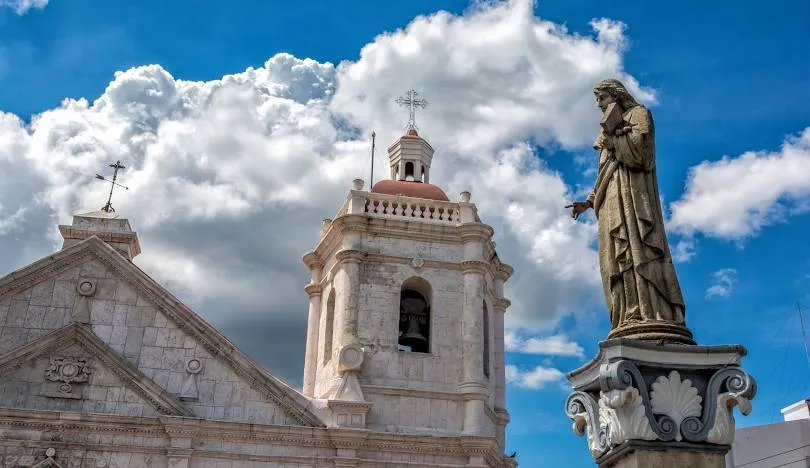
(405, 330)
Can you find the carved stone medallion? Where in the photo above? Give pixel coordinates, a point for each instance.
(69, 371)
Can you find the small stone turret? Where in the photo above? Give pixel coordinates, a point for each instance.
(107, 226)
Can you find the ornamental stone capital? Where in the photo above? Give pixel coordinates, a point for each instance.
(665, 395)
(501, 304)
(474, 266)
(350, 256)
(313, 289)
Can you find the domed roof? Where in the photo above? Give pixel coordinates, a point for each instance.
(409, 189)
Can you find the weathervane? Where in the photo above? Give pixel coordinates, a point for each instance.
(117, 166)
(412, 102)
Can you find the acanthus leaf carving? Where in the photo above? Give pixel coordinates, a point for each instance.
(723, 430)
(623, 417)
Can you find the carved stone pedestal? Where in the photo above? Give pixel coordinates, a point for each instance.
(665, 405)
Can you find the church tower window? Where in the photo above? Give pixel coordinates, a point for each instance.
(414, 316)
(329, 319)
(485, 326)
(409, 171)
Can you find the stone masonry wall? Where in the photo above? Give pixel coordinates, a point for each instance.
(131, 325)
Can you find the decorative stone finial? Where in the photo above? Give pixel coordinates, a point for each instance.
(357, 184)
(464, 197)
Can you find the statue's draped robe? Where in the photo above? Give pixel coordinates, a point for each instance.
(637, 273)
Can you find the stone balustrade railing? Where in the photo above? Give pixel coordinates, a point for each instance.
(379, 205)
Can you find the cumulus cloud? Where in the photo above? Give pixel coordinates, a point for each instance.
(684, 249)
(533, 379)
(230, 178)
(22, 7)
(555, 345)
(723, 282)
(736, 197)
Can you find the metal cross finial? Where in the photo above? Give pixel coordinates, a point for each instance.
(412, 102)
(117, 166)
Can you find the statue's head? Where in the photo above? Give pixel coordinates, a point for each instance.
(609, 91)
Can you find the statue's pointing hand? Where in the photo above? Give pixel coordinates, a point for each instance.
(578, 207)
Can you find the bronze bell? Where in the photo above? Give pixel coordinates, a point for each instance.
(412, 337)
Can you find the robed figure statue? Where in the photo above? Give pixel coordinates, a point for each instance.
(641, 289)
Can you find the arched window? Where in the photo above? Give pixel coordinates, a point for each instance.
(414, 316)
(329, 317)
(485, 326)
(409, 170)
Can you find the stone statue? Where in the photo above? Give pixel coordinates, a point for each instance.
(641, 289)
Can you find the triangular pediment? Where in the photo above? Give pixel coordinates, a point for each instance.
(48, 462)
(78, 372)
(93, 251)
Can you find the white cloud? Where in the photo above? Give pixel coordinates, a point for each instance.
(723, 282)
(230, 178)
(556, 345)
(533, 379)
(734, 198)
(684, 249)
(22, 7)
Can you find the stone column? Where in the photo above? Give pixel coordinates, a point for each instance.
(313, 328)
(472, 347)
(664, 405)
(499, 309)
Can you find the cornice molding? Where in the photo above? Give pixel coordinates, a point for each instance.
(412, 392)
(475, 266)
(170, 427)
(471, 232)
(350, 256)
(312, 260)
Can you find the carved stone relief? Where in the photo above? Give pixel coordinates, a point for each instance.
(189, 391)
(623, 407)
(68, 373)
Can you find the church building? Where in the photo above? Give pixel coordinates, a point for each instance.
(101, 366)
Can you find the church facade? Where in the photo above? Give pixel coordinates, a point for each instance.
(100, 366)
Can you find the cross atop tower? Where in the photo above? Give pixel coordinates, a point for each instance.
(411, 102)
(116, 167)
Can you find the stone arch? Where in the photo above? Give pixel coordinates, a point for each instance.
(415, 298)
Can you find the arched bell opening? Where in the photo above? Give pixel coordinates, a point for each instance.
(414, 316)
(409, 175)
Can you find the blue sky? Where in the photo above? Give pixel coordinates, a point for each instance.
(727, 78)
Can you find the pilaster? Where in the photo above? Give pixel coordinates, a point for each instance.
(313, 323)
(472, 379)
(350, 267)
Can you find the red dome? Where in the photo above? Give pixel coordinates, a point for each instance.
(411, 133)
(409, 189)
